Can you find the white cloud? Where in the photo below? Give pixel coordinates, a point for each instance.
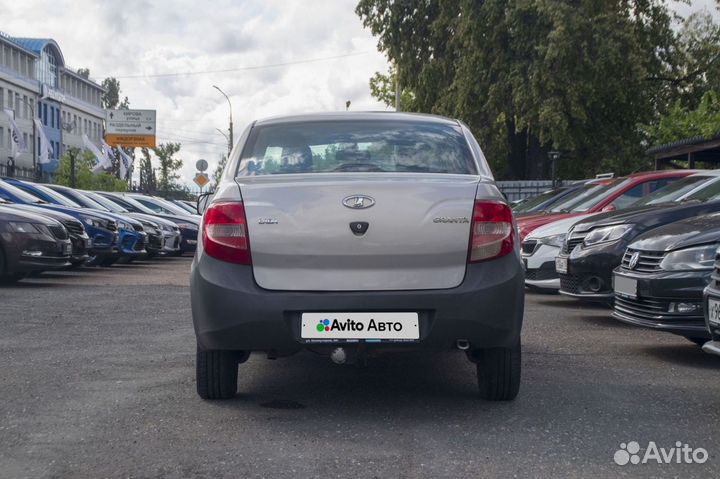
(138, 37)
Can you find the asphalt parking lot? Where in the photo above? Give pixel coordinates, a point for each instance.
(98, 381)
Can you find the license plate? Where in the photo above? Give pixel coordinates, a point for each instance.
(713, 311)
(67, 249)
(561, 264)
(625, 286)
(369, 326)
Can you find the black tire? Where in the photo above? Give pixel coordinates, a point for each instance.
(698, 341)
(217, 373)
(107, 262)
(498, 372)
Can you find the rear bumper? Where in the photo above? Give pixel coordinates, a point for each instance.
(231, 312)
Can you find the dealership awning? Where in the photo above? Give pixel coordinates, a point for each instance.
(687, 153)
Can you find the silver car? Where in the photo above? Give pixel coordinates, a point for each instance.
(352, 235)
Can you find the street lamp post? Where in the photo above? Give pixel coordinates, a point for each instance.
(230, 129)
(554, 156)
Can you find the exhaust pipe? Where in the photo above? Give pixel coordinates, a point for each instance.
(338, 356)
(463, 344)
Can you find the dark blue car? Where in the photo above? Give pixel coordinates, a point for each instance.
(101, 229)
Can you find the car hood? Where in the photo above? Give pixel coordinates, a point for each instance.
(649, 216)
(181, 219)
(57, 215)
(76, 211)
(694, 231)
(151, 218)
(8, 213)
(556, 227)
(530, 223)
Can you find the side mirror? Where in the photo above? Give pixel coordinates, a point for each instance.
(609, 208)
(202, 202)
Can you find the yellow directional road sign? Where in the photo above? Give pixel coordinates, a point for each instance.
(201, 179)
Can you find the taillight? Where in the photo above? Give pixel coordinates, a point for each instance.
(225, 234)
(491, 234)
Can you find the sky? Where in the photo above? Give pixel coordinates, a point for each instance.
(289, 56)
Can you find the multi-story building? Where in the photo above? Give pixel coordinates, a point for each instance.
(35, 79)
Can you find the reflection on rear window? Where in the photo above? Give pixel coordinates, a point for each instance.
(356, 146)
(579, 196)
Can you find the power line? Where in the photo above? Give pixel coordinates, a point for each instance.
(239, 69)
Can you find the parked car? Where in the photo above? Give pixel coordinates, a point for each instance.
(546, 199)
(132, 237)
(101, 229)
(595, 247)
(186, 205)
(163, 235)
(354, 252)
(188, 224)
(711, 308)
(660, 282)
(160, 205)
(542, 246)
(602, 195)
(30, 242)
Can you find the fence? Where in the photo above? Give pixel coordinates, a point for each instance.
(518, 190)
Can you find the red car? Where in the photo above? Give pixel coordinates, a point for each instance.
(602, 195)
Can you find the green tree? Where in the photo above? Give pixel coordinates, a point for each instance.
(684, 122)
(217, 174)
(528, 77)
(111, 95)
(84, 72)
(382, 87)
(168, 166)
(84, 177)
(148, 182)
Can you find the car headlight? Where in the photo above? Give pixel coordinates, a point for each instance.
(696, 258)
(27, 228)
(556, 241)
(97, 223)
(606, 234)
(150, 229)
(166, 228)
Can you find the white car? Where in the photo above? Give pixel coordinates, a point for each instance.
(543, 244)
(539, 251)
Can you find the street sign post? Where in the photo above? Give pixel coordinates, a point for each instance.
(201, 165)
(130, 128)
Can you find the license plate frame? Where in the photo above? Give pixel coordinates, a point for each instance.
(625, 286)
(358, 326)
(561, 264)
(713, 311)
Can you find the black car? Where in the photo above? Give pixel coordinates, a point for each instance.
(711, 308)
(660, 283)
(30, 242)
(595, 247)
(78, 236)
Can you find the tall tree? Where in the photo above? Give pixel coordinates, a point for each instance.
(168, 166)
(147, 173)
(111, 95)
(528, 77)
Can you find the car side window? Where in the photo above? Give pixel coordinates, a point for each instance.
(638, 191)
(152, 206)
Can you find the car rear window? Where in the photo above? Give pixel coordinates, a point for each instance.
(356, 146)
(588, 192)
(672, 191)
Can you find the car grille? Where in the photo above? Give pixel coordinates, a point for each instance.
(74, 227)
(540, 274)
(139, 245)
(138, 227)
(155, 241)
(58, 231)
(571, 243)
(529, 247)
(716, 273)
(648, 262)
(111, 225)
(570, 283)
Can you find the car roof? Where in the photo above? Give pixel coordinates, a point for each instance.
(358, 115)
(707, 173)
(644, 175)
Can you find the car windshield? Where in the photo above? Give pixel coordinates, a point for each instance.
(130, 204)
(357, 146)
(60, 199)
(709, 193)
(673, 191)
(107, 204)
(24, 196)
(85, 201)
(588, 193)
(186, 207)
(535, 201)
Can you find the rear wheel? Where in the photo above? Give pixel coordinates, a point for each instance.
(109, 261)
(217, 373)
(698, 341)
(498, 372)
